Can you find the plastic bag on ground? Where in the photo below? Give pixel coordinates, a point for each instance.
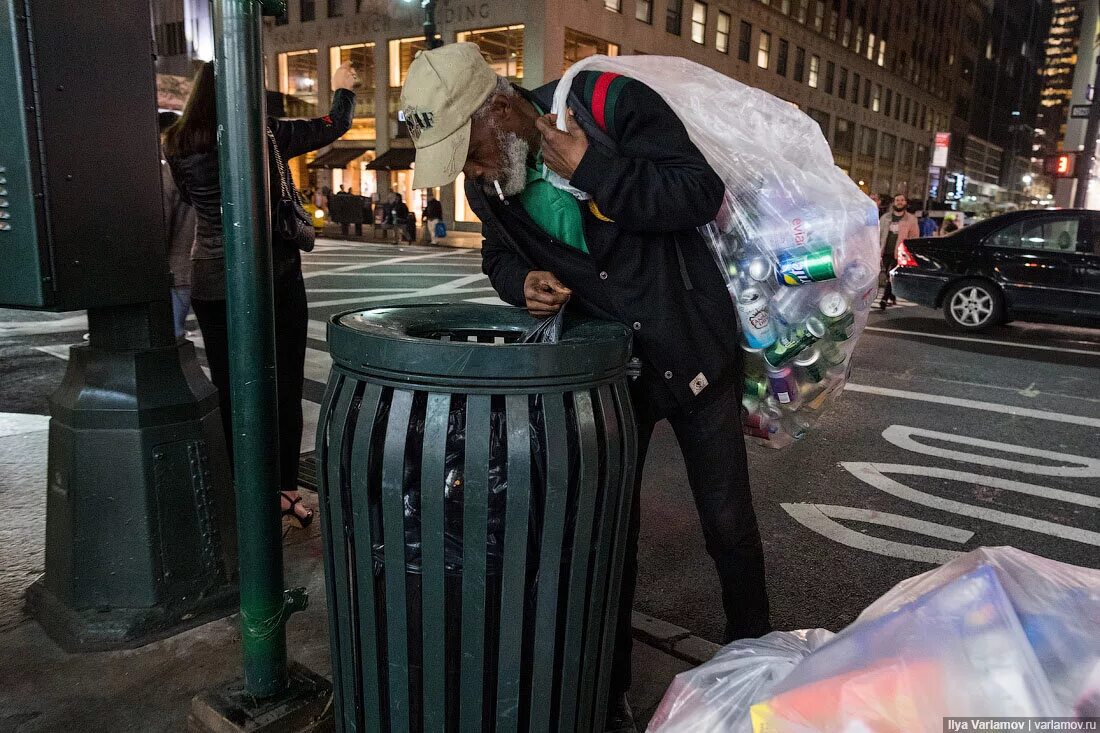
(716, 696)
(997, 632)
(795, 239)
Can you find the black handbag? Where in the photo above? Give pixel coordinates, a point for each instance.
(291, 222)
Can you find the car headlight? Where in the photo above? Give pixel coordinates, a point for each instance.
(318, 214)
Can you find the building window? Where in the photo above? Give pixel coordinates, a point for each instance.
(868, 139)
(842, 84)
(871, 47)
(855, 88)
(643, 11)
(615, 6)
(803, 9)
(833, 20)
(785, 7)
(781, 57)
(335, 8)
(502, 48)
(887, 148)
(361, 57)
(744, 41)
(889, 100)
(876, 100)
(858, 47)
(866, 93)
(846, 37)
(699, 22)
(905, 153)
(764, 50)
(722, 38)
(819, 15)
(298, 81)
(815, 66)
(906, 113)
(402, 53)
(830, 74)
(799, 63)
(581, 45)
(821, 118)
(844, 135)
(674, 16)
(882, 53)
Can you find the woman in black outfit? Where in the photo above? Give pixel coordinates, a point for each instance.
(192, 152)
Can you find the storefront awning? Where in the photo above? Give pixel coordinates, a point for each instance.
(394, 159)
(336, 157)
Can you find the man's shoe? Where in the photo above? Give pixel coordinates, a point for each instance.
(620, 718)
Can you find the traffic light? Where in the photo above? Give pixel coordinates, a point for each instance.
(1061, 165)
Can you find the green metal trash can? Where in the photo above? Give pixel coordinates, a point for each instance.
(475, 494)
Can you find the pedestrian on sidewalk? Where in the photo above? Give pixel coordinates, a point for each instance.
(629, 254)
(179, 219)
(192, 152)
(895, 226)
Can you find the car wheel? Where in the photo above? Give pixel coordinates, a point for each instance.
(973, 305)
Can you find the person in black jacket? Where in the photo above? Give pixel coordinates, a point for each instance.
(629, 253)
(191, 148)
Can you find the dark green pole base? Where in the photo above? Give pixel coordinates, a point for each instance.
(305, 706)
(113, 629)
(140, 519)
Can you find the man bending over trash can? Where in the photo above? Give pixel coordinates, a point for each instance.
(630, 254)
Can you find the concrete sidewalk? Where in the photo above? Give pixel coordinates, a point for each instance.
(454, 239)
(149, 689)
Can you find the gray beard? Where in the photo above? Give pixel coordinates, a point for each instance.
(513, 173)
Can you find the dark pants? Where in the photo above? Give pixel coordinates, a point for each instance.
(888, 262)
(345, 228)
(713, 447)
(291, 320)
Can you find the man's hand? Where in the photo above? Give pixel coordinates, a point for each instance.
(562, 151)
(345, 77)
(544, 293)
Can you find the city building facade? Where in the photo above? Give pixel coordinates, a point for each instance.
(1061, 45)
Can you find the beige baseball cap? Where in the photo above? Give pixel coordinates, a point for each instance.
(443, 89)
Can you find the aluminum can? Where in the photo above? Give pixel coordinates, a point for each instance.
(783, 385)
(812, 365)
(794, 342)
(831, 354)
(795, 267)
(756, 322)
(837, 316)
(755, 387)
(759, 269)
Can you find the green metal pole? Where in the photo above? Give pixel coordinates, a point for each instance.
(242, 153)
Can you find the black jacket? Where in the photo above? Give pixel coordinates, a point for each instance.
(197, 177)
(649, 269)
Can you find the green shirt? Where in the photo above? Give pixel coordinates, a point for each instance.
(556, 212)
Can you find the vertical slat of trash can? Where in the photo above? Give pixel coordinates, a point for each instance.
(432, 484)
(338, 580)
(475, 531)
(587, 487)
(553, 529)
(517, 420)
(363, 582)
(625, 411)
(603, 545)
(393, 532)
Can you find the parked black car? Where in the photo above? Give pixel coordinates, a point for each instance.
(1024, 264)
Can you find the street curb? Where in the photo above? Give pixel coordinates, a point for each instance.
(672, 639)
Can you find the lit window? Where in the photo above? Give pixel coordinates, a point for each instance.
(298, 81)
(361, 57)
(871, 47)
(881, 52)
(581, 45)
(815, 67)
(846, 37)
(764, 50)
(502, 48)
(699, 22)
(643, 11)
(819, 15)
(803, 9)
(722, 38)
(402, 53)
(615, 6)
(876, 100)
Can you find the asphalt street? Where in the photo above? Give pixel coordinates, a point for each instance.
(941, 443)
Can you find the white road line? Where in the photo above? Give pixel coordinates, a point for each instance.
(489, 301)
(379, 263)
(897, 521)
(334, 273)
(871, 473)
(1091, 422)
(61, 351)
(452, 287)
(39, 328)
(361, 290)
(1015, 344)
(18, 423)
(813, 517)
(1081, 466)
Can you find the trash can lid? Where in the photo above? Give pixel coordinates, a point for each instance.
(475, 347)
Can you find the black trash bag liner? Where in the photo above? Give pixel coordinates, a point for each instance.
(547, 331)
(454, 481)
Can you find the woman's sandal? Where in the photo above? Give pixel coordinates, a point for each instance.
(303, 520)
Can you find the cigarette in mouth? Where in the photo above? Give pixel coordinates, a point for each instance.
(496, 185)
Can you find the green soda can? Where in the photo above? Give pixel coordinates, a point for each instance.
(756, 387)
(812, 365)
(831, 354)
(794, 342)
(795, 268)
(840, 322)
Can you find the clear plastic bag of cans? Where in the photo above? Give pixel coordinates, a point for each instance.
(796, 240)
